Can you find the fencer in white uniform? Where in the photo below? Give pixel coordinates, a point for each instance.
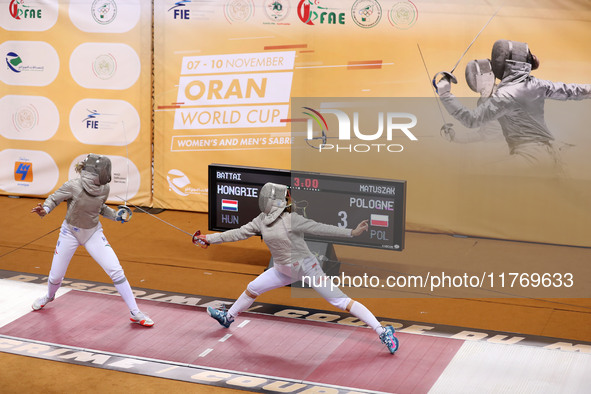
(283, 233)
(518, 105)
(86, 197)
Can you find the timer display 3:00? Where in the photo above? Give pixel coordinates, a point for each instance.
(312, 183)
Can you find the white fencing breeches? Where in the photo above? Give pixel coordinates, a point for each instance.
(95, 243)
(281, 275)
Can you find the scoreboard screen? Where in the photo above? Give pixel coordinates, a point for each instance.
(338, 200)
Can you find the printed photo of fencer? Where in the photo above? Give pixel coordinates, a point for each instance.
(515, 103)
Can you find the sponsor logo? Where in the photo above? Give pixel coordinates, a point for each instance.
(13, 61)
(104, 11)
(25, 118)
(366, 13)
(230, 205)
(181, 184)
(96, 121)
(276, 10)
(23, 171)
(238, 10)
(179, 11)
(16, 64)
(29, 63)
(96, 65)
(379, 220)
(311, 12)
(395, 122)
(403, 15)
(19, 10)
(104, 122)
(104, 66)
(177, 181)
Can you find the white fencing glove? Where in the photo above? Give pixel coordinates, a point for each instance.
(443, 86)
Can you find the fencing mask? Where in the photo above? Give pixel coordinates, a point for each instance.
(504, 50)
(99, 165)
(272, 201)
(480, 77)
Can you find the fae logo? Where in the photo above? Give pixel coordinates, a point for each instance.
(179, 11)
(23, 171)
(391, 119)
(310, 11)
(18, 9)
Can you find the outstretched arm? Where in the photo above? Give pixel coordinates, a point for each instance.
(248, 230)
(39, 210)
(362, 227)
(565, 91)
(61, 194)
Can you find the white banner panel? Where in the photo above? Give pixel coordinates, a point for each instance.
(31, 118)
(28, 63)
(27, 172)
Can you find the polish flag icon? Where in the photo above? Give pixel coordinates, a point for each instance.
(230, 205)
(379, 220)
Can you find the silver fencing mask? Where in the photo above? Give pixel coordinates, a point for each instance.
(480, 77)
(504, 50)
(272, 201)
(99, 165)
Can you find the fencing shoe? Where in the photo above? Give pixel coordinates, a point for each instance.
(41, 302)
(220, 316)
(142, 319)
(388, 338)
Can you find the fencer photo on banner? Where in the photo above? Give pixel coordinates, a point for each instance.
(368, 140)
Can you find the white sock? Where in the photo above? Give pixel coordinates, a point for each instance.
(126, 293)
(52, 289)
(362, 313)
(240, 305)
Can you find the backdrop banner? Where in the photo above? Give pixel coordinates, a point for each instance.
(75, 80)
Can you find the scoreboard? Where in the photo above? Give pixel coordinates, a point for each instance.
(338, 200)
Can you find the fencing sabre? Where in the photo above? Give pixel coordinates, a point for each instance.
(447, 130)
(124, 206)
(450, 74)
(194, 236)
(30, 242)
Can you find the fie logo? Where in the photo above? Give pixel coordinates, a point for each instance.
(23, 171)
